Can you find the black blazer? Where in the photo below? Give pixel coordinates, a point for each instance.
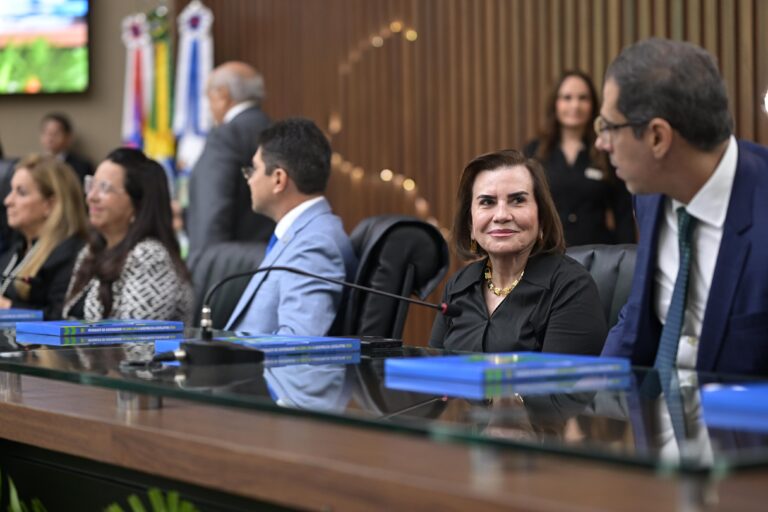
(81, 166)
(49, 286)
(219, 197)
(582, 198)
(555, 308)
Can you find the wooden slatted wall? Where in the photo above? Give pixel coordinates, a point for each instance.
(420, 86)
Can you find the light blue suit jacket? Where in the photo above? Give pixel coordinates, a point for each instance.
(279, 302)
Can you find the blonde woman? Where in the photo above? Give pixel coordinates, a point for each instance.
(46, 208)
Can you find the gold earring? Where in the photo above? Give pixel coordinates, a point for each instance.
(473, 246)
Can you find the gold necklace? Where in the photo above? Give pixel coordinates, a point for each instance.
(499, 292)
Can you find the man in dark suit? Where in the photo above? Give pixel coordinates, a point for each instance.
(700, 291)
(56, 138)
(219, 199)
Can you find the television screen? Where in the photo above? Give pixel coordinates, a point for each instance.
(43, 46)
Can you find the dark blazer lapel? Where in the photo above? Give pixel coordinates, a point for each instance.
(734, 249)
(647, 328)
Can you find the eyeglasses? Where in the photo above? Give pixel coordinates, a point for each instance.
(247, 171)
(602, 126)
(102, 188)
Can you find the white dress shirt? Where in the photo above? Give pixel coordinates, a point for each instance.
(709, 206)
(234, 111)
(289, 218)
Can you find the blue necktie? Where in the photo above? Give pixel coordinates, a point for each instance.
(271, 243)
(673, 327)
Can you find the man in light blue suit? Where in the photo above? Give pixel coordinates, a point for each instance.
(700, 292)
(287, 181)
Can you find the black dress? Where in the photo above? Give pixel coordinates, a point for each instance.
(49, 287)
(582, 195)
(555, 308)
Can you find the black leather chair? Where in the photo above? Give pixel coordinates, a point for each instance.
(215, 263)
(397, 254)
(612, 268)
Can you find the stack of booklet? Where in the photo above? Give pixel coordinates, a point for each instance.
(9, 317)
(736, 406)
(480, 376)
(76, 332)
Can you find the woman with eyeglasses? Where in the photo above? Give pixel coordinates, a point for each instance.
(45, 208)
(593, 205)
(131, 267)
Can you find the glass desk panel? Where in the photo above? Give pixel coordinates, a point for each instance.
(626, 419)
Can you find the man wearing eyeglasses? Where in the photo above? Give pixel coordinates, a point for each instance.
(699, 297)
(287, 181)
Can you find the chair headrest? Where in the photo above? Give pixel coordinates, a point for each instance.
(397, 240)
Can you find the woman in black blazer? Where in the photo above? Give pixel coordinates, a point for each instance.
(522, 292)
(46, 208)
(593, 205)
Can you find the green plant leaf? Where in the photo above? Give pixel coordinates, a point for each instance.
(172, 501)
(37, 505)
(136, 504)
(14, 504)
(156, 500)
(114, 508)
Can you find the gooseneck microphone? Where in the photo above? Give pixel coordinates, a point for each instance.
(206, 323)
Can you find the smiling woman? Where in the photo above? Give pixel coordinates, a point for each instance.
(45, 207)
(522, 293)
(132, 266)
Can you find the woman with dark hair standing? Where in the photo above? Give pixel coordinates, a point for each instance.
(131, 267)
(593, 205)
(521, 292)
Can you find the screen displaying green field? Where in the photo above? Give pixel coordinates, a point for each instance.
(44, 47)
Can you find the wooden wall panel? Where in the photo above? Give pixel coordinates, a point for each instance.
(474, 77)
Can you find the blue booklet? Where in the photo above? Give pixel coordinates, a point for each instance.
(503, 367)
(48, 339)
(283, 344)
(735, 406)
(332, 358)
(9, 317)
(479, 391)
(100, 327)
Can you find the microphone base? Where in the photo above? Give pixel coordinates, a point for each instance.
(377, 345)
(206, 352)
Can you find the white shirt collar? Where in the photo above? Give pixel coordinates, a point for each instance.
(289, 218)
(710, 204)
(234, 111)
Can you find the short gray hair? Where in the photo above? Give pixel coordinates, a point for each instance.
(676, 81)
(241, 86)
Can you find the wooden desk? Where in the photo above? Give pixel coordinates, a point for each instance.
(324, 465)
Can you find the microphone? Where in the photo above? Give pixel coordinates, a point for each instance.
(206, 323)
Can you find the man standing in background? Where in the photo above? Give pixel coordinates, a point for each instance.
(56, 138)
(219, 199)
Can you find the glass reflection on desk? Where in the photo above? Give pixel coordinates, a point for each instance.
(626, 424)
